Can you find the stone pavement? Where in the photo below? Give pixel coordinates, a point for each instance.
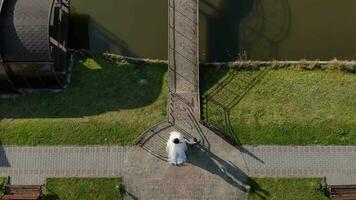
(336, 163)
(215, 170)
(32, 165)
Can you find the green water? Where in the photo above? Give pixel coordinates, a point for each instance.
(229, 29)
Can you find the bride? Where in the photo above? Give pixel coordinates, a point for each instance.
(177, 147)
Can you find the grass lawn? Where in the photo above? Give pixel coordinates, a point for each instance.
(113, 103)
(281, 106)
(285, 189)
(82, 189)
(106, 103)
(2, 183)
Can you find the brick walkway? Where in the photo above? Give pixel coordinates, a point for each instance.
(32, 165)
(215, 170)
(336, 163)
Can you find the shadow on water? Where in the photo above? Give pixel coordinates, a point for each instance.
(222, 96)
(106, 41)
(223, 28)
(98, 86)
(79, 31)
(238, 26)
(264, 29)
(86, 33)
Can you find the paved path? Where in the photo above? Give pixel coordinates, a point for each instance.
(336, 163)
(32, 165)
(215, 170)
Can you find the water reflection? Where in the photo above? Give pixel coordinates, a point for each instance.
(264, 29)
(220, 28)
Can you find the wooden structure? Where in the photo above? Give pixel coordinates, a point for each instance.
(22, 192)
(33, 44)
(342, 192)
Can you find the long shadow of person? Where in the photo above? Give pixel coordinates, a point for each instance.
(3, 158)
(201, 157)
(204, 159)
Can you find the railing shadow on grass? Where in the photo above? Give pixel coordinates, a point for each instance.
(98, 86)
(224, 96)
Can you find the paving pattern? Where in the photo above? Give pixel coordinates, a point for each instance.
(216, 169)
(336, 163)
(32, 165)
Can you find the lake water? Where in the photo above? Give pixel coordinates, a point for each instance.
(229, 29)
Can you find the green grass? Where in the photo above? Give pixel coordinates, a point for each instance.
(2, 183)
(82, 189)
(113, 103)
(106, 103)
(285, 189)
(281, 106)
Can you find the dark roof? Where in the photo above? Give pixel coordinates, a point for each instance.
(24, 29)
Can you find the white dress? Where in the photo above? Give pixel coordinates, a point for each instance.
(176, 152)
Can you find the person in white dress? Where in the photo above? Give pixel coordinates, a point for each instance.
(177, 147)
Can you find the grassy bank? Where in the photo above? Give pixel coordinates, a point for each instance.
(83, 189)
(112, 102)
(281, 106)
(2, 183)
(286, 189)
(106, 103)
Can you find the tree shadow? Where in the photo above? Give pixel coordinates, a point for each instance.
(98, 86)
(223, 97)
